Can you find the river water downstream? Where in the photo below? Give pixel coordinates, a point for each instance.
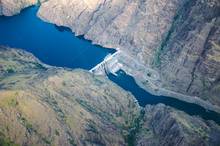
(59, 47)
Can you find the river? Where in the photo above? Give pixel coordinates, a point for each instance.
(57, 46)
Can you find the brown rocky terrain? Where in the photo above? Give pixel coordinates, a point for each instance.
(44, 105)
(177, 38)
(191, 51)
(163, 125)
(12, 7)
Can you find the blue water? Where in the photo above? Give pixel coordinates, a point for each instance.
(128, 83)
(58, 46)
(51, 44)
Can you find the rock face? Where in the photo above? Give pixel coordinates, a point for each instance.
(12, 7)
(162, 125)
(44, 105)
(136, 26)
(189, 58)
(177, 38)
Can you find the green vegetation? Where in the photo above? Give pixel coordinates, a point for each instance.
(201, 132)
(47, 141)
(10, 70)
(13, 102)
(6, 141)
(178, 19)
(53, 103)
(9, 100)
(57, 132)
(134, 129)
(93, 110)
(147, 132)
(28, 125)
(160, 50)
(119, 113)
(72, 142)
(39, 66)
(91, 127)
(98, 81)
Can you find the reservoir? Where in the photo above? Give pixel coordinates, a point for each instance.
(57, 46)
(53, 45)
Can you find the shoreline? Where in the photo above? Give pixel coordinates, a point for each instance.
(186, 98)
(152, 88)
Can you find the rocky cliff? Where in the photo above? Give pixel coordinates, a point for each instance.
(136, 26)
(44, 105)
(177, 38)
(189, 57)
(12, 7)
(162, 125)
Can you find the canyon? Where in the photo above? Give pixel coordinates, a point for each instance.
(170, 47)
(176, 39)
(44, 105)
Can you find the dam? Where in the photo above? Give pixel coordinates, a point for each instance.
(110, 64)
(120, 60)
(60, 48)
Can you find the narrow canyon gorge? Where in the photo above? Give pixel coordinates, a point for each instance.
(170, 47)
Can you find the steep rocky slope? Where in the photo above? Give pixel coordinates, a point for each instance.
(136, 26)
(189, 58)
(177, 38)
(162, 125)
(44, 105)
(12, 7)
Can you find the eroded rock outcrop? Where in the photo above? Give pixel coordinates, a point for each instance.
(163, 125)
(177, 38)
(189, 57)
(12, 7)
